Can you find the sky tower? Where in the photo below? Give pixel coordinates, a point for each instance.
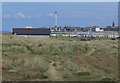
(55, 18)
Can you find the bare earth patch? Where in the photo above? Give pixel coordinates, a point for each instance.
(54, 75)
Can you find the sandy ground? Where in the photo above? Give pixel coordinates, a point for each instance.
(38, 36)
(55, 76)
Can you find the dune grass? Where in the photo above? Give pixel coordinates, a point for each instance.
(73, 59)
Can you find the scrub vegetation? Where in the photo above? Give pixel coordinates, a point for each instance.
(59, 58)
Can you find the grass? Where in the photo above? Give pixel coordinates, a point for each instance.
(93, 59)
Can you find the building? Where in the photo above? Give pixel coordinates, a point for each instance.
(68, 34)
(32, 31)
(86, 34)
(113, 27)
(93, 29)
(66, 29)
(110, 28)
(97, 34)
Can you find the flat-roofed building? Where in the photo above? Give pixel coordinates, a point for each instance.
(45, 32)
(31, 31)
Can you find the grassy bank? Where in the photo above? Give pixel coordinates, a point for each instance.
(59, 58)
(80, 38)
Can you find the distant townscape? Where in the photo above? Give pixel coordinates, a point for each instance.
(94, 31)
(85, 29)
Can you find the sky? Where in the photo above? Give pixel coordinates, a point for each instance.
(41, 14)
(60, 0)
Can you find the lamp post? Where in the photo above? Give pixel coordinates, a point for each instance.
(55, 18)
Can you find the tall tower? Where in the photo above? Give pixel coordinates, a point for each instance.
(113, 24)
(55, 18)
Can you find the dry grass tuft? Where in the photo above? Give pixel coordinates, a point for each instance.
(74, 59)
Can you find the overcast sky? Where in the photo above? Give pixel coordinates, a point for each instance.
(41, 14)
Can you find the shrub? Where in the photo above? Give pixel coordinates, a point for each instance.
(82, 73)
(107, 79)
